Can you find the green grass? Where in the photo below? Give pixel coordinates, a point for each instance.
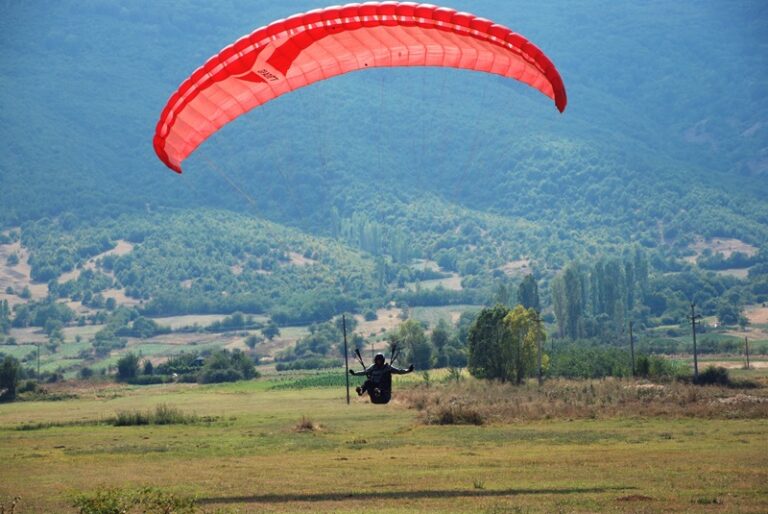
(253, 458)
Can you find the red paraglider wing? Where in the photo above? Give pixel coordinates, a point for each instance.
(306, 48)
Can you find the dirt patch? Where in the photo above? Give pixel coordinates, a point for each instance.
(18, 276)
(425, 264)
(119, 296)
(724, 245)
(757, 315)
(387, 319)
(517, 268)
(738, 273)
(299, 260)
(734, 364)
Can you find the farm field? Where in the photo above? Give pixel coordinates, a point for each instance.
(249, 456)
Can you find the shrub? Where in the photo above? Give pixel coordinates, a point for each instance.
(216, 376)
(455, 414)
(714, 376)
(162, 415)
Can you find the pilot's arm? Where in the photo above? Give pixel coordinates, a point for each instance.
(398, 371)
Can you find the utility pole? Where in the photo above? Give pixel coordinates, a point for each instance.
(746, 349)
(38, 362)
(694, 319)
(346, 354)
(632, 348)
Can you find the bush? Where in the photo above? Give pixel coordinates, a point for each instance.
(714, 376)
(216, 376)
(30, 386)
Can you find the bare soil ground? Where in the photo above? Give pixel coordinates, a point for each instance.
(734, 272)
(18, 276)
(387, 319)
(735, 364)
(517, 268)
(723, 245)
(757, 315)
(299, 260)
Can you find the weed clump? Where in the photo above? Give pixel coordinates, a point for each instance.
(162, 415)
(455, 413)
(306, 425)
(109, 501)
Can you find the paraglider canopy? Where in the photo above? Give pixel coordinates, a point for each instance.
(306, 48)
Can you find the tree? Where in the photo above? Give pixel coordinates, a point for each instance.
(728, 313)
(485, 340)
(252, 340)
(503, 343)
(149, 368)
(223, 366)
(568, 291)
(350, 321)
(271, 330)
(9, 378)
(439, 339)
(524, 333)
(5, 317)
(128, 366)
(411, 337)
(144, 327)
(528, 293)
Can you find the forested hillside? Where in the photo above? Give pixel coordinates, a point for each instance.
(318, 202)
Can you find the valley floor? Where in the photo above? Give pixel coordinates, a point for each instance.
(250, 457)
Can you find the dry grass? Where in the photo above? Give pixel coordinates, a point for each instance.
(306, 425)
(478, 402)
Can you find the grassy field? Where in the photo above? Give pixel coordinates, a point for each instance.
(248, 453)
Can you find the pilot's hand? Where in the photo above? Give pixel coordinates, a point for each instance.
(410, 368)
(351, 372)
